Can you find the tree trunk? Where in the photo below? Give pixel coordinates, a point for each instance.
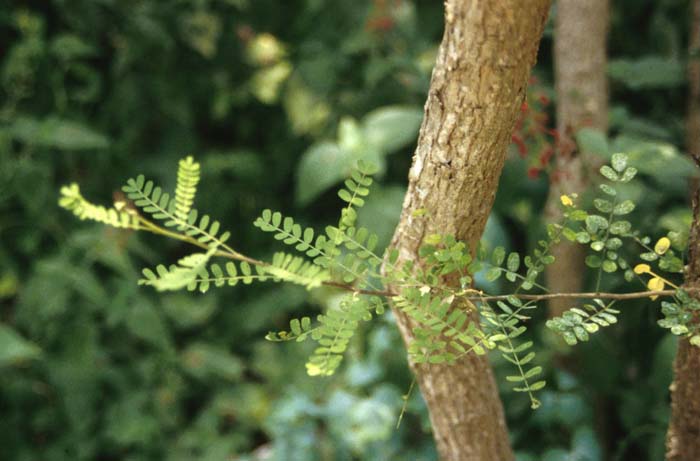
(582, 101)
(683, 439)
(693, 118)
(477, 88)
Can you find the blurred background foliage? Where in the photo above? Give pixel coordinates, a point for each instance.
(278, 99)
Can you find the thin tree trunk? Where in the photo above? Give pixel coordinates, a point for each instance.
(477, 88)
(692, 133)
(683, 439)
(580, 56)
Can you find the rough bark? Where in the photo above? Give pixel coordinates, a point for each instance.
(477, 88)
(683, 439)
(693, 116)
(580, 58)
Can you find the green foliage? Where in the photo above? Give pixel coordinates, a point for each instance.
(94, 92)
(534, 265)
(187, 179)
(647, 72)
(442, 255)
(577, 324)
(604, 232)
(380, 133)
(291, 233)
(124, 373)
(189, 272)
(344, 257)
(56, 133)
(680, 316)
(505, 325)
(15, 349)
(354, 193)
(299, 330)
(293, 269)
(444, 332)
(118, 217)
(152, 200)
(333, 334)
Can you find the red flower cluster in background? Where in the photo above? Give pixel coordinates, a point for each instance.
(533, 137)
(380, 18)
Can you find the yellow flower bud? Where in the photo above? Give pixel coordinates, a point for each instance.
(655, 284)
(642, 269)
(662, 245)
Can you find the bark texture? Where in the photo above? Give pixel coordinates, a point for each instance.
(693, 117)
(580, 60)
(683, 439)
(477, 87)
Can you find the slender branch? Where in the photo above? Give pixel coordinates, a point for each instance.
(348, 287)
(529, 297)
(232, 254)
(583, 295)
(229, 252)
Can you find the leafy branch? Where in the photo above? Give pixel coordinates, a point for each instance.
(344, 257)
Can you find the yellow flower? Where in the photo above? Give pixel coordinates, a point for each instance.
(566, 200)
(655, 284)
(642, 269)
(662, 245)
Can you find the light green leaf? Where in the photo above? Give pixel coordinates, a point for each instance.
(321, 166)
(350, 136)
(594, 223)
(513, 262)
(326, 164)
(14, 349)
(604, 206)
(593, 141)
(609, 266)
(206, 361)
(593, 261)
(620, 227)
(145, 322)
(498, 256)
(493, 274)
(648, 72)
(57, 133)
(609, 173)
(608, 190)
(619, 162)
(392, 127)
(624, 208)
(597, 245)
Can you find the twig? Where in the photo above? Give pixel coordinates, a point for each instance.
(348, 287)
(584, 295)
(529, 297)
(232, 254)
